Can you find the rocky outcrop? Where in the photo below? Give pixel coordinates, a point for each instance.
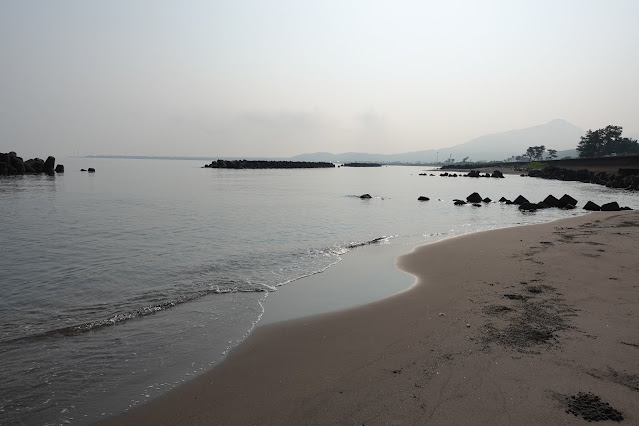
(422, 198)
(624, 179)
(365, 196)
(520, 200)
(244, 164)
(11, 164)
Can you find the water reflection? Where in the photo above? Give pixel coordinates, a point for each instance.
(29, 183)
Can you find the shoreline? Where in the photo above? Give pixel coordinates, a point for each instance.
(466, 343)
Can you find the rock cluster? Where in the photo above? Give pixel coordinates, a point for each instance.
(624, 179)
(11, 164)
(566, 202)
(259, 164)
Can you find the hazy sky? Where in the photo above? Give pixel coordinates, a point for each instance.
(279, 78)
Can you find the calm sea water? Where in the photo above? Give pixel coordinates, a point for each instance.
(119, 285)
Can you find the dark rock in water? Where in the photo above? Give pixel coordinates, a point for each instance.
(568, 207)
(503, 199)
(49, 166)
(592, 207)
(626, 208)
(498, 174)
(565, 200)
(17, 163)
(365, 196)
(92, 170)
(508, 202)
(36, 164)
(3, 169)
(59, 168)
(83, 170)
(551, 200)
(422, 198)
(459, 202)
(476, 205)
(543, 205)
(487, 200)
(520, 200)
(474, 198)
(473, 173)
(610, 207)
(530, 207)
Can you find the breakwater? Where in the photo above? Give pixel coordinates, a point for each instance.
(264, 164)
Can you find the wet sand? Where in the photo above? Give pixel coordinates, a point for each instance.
(527, 325)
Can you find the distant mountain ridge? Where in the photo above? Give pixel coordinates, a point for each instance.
(556, 134)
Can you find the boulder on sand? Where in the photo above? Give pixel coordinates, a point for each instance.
(592, 207)
(610, 207)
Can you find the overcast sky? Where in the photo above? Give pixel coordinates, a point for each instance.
(280, 78)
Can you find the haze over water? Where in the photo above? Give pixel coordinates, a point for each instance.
(119, 285)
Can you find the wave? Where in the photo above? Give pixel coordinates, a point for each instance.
(159, 305)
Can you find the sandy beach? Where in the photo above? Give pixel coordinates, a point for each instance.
(529, 325)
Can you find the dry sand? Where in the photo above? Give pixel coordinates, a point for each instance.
(526, 325)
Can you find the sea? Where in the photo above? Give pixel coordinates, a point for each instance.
(119, 285)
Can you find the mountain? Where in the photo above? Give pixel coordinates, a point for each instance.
(556, 134)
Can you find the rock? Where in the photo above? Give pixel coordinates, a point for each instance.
(3, 169)
(476, 205)
(474, 198)
(551, 200)
(49, 165)
(592, 207)
(626, 208)
(92, 170)
(520, 200)
(59, 168)
(17, 164)
(83, 170)
(530, 207)
(503, 199)
(36, 164)
(459, 202)
(565, 200)
(498, 174)
(568, 207)
(473, 173)
(422, 198)
(543, 205)
(487, 200)
(508, 202)
(610, 207)
(365, 196)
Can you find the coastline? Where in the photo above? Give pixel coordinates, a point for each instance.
(501, 327)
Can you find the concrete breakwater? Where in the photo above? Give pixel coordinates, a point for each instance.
(264, 164)
(11, 164)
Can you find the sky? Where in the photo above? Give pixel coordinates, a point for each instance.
(281, 78)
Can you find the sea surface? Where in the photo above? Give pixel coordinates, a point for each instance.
(118, 286)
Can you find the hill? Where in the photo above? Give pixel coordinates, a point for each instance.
(556, 134)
